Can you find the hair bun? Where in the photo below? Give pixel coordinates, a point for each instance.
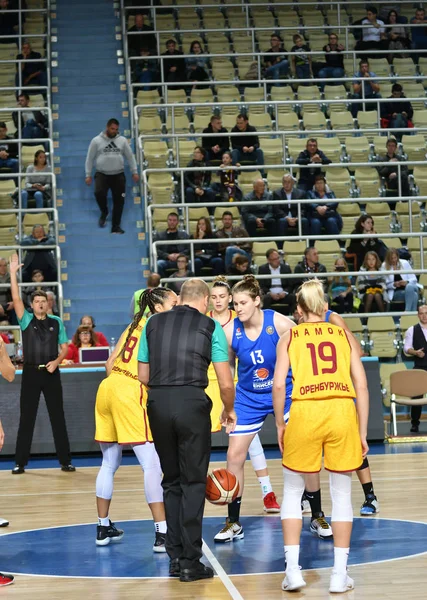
(250, 278)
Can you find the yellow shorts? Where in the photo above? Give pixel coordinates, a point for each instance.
(120, 412)
(328, 425)
(217, 407)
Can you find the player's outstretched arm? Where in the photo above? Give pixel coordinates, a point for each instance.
(279, 386)
(360, 383)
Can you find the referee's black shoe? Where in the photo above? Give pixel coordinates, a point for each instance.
(174, 568)
(18, 470)
(68, 468)
(200, 571)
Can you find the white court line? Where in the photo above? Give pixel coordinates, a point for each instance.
(225, 579)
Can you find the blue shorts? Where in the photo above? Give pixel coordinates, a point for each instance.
(252, 410)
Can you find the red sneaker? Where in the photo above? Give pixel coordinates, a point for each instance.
(270, 503)
(6, 579)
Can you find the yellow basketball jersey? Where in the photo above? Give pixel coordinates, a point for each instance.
(127, 362)
(319, 354)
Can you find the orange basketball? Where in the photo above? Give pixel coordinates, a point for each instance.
(262, 373)
(222, 487)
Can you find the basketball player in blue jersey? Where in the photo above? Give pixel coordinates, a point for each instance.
(252, 337)
(371, 505)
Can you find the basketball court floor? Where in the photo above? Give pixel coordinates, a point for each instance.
(50, 543)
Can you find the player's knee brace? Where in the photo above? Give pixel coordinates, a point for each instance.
(111, 459)
(364, 465)
(256, 454)
(293, 487)
(150, 463)
(340, 486)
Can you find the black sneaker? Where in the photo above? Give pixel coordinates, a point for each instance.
(106, 534)
(117, 230)
(200, 571)
(415, 429)
(68, 468)
(174, 568)
(18, 470)
(159, 542)
(102, 220)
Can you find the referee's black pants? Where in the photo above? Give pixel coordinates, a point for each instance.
(180, 422)
(34, 382)
(117, 185)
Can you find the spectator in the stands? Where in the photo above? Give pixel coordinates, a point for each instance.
(371, 288)
(240, 265)
(8, 22)
(52, 307)
(153, 281)
(38, 182)
(401, 288)
(8, 150)
(391, 173)
(334, 61)
(144, 40)
(167, 254)
(359, 247)
(323, 212)
(277, 65)
(37, 277)
(310, 264)
(215, 146)
(183, 271)
(396, 113)
(6, 304)
(198, 183)
(278, 289)
(260, 216)
(315, 158)
(397, 36)
(206, 255)
(228, 187)
(228, 249)
(33, 123)
(89, 321)
(173, 64)
(371, 89)
(373, 37)
(246, 147)
(146, 69)
(286, 214)
(84, 337)
(340, 290)
(198, 65)
(39, 258)
(301, 63)
(30, 73)
(419, 34)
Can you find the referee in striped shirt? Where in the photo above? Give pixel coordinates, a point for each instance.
(174, 354)
(41, 336)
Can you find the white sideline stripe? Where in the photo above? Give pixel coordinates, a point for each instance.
(231, 588)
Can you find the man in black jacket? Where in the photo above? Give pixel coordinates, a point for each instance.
(167, 255)
(173, 64)
(310, 264)
(398, 114)
(246, 147)
(145, 40)
(415, 345)
(8, 150)
(277, 290)
(30, 73)
(391, 173)
(197, 183)
(286, 214)
(258, 216)
(33, 122)
(315, 158)
(215, 146)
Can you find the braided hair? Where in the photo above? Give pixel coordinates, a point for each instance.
(147, 300)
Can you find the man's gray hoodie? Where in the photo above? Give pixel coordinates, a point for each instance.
(108, 154)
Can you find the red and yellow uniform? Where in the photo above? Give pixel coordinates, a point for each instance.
(120, 409)
(213, 389)
(323, 413)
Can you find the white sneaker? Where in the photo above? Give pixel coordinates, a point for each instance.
(321, 527)
(305, 507)
(230, 532)
(293, 580)
(340, 582)
(3, 522)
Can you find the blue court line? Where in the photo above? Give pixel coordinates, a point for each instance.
(94, 460)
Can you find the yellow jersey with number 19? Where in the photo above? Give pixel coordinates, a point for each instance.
(126, 363)
(319, 355)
